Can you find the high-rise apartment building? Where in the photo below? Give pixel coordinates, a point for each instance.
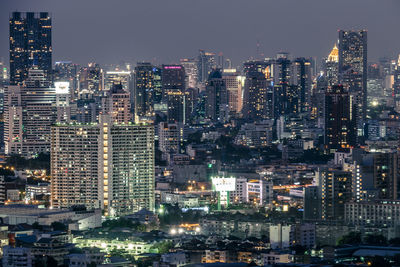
(30, 45)
(340, 112)
(336, 190)
(117, 105)
(127, 167)
(75, 166)
(105, 165)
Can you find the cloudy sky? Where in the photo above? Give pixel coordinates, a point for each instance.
(109, 31)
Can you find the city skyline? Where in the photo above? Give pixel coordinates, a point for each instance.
(107, 33)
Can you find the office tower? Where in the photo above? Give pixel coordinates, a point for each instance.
(170, 136)
(118, 77)
(144, 89)
(353, 70)
(30, 110)
(206, 63)
(217, 108)
(302, 78)
(173, 86)
(386, 175)
(339, 118)
(335, 186)
(127, 167)
(91, 78)
(105, 165)
(234, 83)
(257, 98)
(191, 71)
(117, 104)
(75, 166)
(66, 71)
(30, 45)
(332, 67)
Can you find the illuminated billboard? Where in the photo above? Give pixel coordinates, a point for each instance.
(222, 184)
(62, 87)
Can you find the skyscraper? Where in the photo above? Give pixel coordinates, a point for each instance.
(234, 85)
(302, 78)
(340, 112)
(353, 70)
(257, 99)
(206, 63)
(332, 67)
(30, 45)
(144, 89)
(217, 107)
(173, 85)
(191, 70)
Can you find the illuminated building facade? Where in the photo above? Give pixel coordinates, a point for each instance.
(332, 67)
(30, 45)
(234, 83)
(105, 165)
(258, 93)
(75, 166)
(127, 167)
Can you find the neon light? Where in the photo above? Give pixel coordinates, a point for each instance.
(172, 67)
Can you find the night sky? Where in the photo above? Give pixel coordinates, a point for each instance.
(163, 31)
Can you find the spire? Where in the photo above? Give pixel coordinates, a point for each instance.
(334, 55)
